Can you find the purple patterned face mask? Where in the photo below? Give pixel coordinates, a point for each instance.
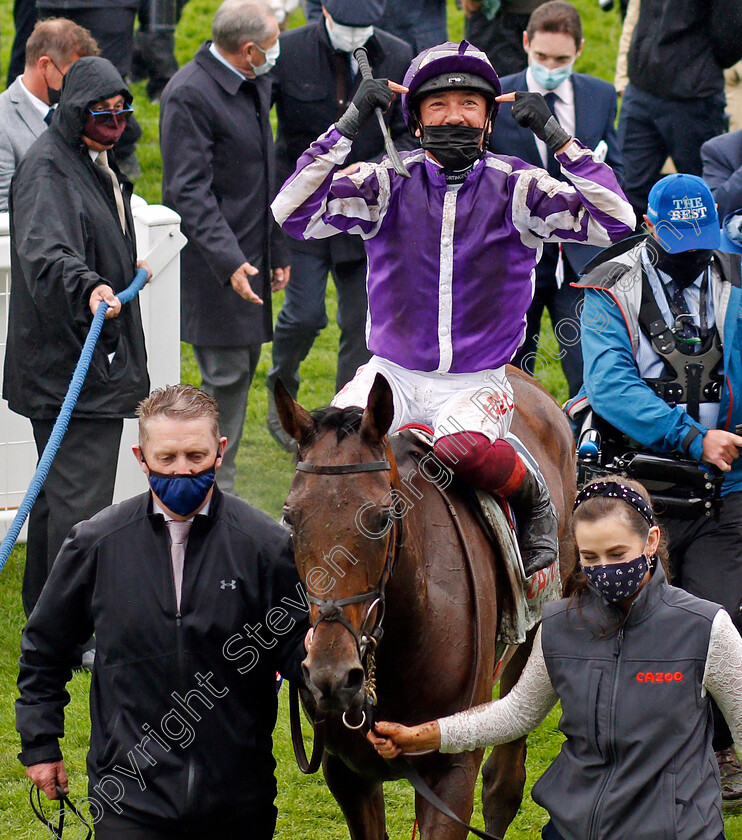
(616, 581)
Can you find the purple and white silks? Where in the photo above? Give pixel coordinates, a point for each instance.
(456, 265)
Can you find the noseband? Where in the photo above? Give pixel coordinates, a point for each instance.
(331, 609)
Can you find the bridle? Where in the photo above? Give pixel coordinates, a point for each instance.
(367, 639)
(331, 609)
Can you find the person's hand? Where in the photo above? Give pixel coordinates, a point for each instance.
(241, 283)
(308, 639)
(720, 448)
(391, 739)
(531, 111)
(143, 264)
(47, 776)
(101, 294)
(371, 93)
(280, 278)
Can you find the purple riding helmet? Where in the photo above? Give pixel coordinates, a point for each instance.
(447, 67)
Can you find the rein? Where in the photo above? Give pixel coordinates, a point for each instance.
(366, 642)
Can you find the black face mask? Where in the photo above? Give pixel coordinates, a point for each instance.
(54, 94)
(453, 146)
(685, 267)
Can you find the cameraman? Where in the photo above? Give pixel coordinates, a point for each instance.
(662, 350)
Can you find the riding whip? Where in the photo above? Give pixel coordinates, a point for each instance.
(361, 57)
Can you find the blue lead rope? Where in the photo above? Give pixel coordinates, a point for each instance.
(65, 413)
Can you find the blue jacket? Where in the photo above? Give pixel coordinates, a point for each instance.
(613, 386)
(595, 116)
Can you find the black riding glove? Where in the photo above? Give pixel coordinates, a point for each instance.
(370, 94)
(531, 111)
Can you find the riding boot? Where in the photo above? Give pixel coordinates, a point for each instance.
(538, 523)
(497, 468)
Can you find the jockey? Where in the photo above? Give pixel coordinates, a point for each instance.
(451, 256)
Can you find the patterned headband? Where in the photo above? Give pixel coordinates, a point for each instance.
(615, 490)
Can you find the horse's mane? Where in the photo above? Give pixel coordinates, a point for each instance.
(344, 421)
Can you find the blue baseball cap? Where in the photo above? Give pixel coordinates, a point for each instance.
(683, 212)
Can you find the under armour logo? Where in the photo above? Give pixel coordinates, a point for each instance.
(231, 584)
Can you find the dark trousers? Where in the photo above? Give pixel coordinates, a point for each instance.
(226, 375)
(24, 18)
(303, 316)
(706, 560)
(248, 826)
(651, 128)
(112, 28)
(154, 50)
(79, 484)
(501, 38)
(563, 306)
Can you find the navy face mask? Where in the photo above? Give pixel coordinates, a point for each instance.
(616, 581)
(183, 494)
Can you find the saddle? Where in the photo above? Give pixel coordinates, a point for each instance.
(522, 610)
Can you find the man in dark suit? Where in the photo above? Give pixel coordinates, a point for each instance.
(26, 107)
(217, 152)
(586, 107)
(315, 79)
(722, 170)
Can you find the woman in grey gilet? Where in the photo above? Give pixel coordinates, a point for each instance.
(633, 661)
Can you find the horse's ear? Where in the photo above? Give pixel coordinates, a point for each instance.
(296, 421)
(379, 413)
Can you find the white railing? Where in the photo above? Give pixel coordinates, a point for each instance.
(159, 241)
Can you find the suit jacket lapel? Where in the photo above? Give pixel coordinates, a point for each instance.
(582, 108)
(25, 110)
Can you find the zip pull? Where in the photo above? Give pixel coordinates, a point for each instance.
(619, 642)
(177, 618)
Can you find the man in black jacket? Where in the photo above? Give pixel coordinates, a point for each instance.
(314, 80)
(674, 101)
(195, 602)
(72, 246)
(217, 155)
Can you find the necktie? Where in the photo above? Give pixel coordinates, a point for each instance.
(178, 536)
(679, 307)
(551, 162)
(102, 161)
(49, 115)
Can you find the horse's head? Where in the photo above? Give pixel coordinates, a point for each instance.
(341, 511)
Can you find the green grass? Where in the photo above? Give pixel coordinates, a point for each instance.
(306, 809)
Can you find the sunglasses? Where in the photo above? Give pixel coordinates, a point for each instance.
(65, 807)
(105, 117)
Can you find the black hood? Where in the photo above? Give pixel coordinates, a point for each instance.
(88, 81)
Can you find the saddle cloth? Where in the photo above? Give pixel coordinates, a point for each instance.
(522, 611)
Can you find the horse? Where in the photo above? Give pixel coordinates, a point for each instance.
(401, 579)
